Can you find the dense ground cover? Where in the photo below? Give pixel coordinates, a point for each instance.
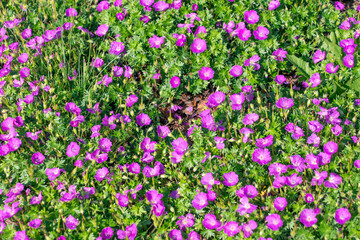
(179, 119)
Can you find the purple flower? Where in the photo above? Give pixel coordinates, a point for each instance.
(236, 71)
(200, 30)
(118, 71)
(298, 163)
(251, 17)
(231, 228)
(97, 63)
(105, 145)
(37, 158)
(23, 58)
(293, 180)
(315, 80)
(163, 131)
(210, 222)
(285, 103)
(243, 33)
(315, 126)
(143, 119)
(102, 30)
(230, 179)
(27, 33)
(155, 41)
(106, 80)
(181, 39)
(175, 82)
(53, 173)
(273, 5)
(261, 33)
(334, 181)
(154, 197)
(35, 223)
(309, 198)
(131, 100)
(71, 222)
(198, 46)
(175, 234)
(342, 215)
(280, 203)
(144, 19)
(24, 72)
(312, 161)
(319, 56)
(72, 149)
(348, 60)
(274, 222)
(330, 68)
(330, 148)
(103, 5)
(247, 229)
(14, 144)
(101, 174)
(116, 48)
(345, 25)
(319, 178)
(123, 199)
(107, 233)
(280, 54)
(237, 100)
(215, 99)
(147, 145)
(200, 201)
(308, 217)
(206, 73)
(180, 145)
(161, 6)
(71, 12)
(357, 163)
(261, 156)
(250, 118)
(339, 6)
(276, 169)
(21, 235)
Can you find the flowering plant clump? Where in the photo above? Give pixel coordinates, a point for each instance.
(174, 119)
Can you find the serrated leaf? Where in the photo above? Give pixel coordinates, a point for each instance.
(300, 64)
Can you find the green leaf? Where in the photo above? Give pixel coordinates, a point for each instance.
(301, 65)
(332, 47)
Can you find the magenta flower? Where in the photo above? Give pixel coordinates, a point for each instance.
(71, 222)
(21, 235)
(116, 48)
(342, 215)
(274, 222)
(161, 6)
(250, 118)
(339, 6)
(200, 201)
(24, 72)
(215, 99)
(175, 82)
(261, 156)
(181, 39)
(243, 33)
(293, 180)
(330, 148)
(334, 181)
(230, 179)
(35, 223)
(71, 12)
(37, 158)
(210, 221)
(285, 103)
(261, 33)
(315, 80)
(155, 41)
(206, 73)
(273, 5)
(330, 68)
(105, 81)
(276, 169)
(101, 174)
(312, 161)
(107, 233)
(348, 61)
(53, 173)
(280, 54)
(247, 229)
(72, 149)
(27, 33)
(144, 19)
(237, 100)
(23, 58)
(131, 100)
(280, 203)
(179, 145)
(308, 217)
(198, 46)
(319, 178)
(175, 234)
(200, 30)
(147, 145)
(309, 198)
(98, 62)
(123, 199)
(163, 131)
(231, 228)
(102, 30)
(236, 71)
(298, 163)
(251, 17)
(143, 119)
(103, 5)
(105, 145)
(319, 56)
